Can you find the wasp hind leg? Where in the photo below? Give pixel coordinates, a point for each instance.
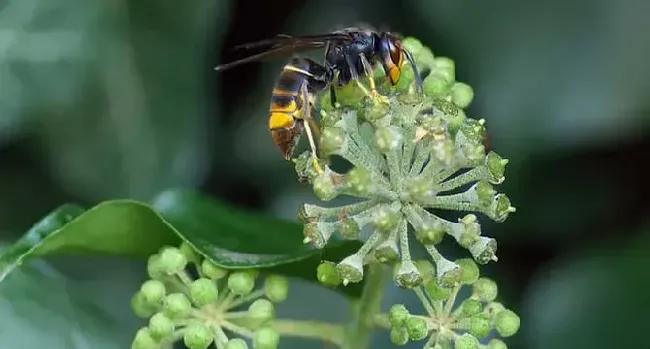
(310, 122)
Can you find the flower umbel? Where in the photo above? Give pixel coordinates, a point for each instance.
(411, 156)
(446, 322)
(205, 310)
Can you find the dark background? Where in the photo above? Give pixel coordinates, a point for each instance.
(119, 99)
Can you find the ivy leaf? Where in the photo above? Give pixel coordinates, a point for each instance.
(232, 238)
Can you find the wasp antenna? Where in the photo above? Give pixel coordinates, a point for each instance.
(416, 72)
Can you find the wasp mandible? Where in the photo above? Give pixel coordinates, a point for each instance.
(349, 53)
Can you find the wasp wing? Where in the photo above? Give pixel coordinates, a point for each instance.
(303, 40)
(283, 45)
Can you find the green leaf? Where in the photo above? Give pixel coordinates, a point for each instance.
(41, 309)
(232, 238)
(118, 227)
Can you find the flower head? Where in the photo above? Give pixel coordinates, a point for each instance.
(410, 157)
(202, 311)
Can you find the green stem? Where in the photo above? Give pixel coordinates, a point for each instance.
(326, 332)
(381, 321)
(358, 332)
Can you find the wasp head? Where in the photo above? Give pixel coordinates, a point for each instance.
(391, 52)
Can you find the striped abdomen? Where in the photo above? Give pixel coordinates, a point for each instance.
(287, 108)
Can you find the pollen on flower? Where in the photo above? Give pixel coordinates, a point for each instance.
(410, 158)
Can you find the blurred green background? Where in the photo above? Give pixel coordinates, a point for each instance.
(106, 99)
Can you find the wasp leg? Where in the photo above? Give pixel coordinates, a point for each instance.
(373, 88)
(354, 75)
(308, 130)
(332, 96)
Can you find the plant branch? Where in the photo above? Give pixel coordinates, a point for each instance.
(358, 333)
(326, 332)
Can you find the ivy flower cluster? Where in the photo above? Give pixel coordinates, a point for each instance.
(410, 156)
(207, 309)
(446, 322)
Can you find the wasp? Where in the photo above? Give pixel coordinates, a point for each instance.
(349, 53)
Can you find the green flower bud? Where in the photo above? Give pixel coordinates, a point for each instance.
(276, 288)
(412, 45)
(501, 208)
(324, 187)
(485, 289)
(407, 275)
(172, 260)
(421, 189)
(350, 269)
(387, 251)
(399, 335)
(484, 250)
(507, 323)
(388, 139)
(397, 315)
(142, 308)
(444, 152)
(449, 273)
(241, 283)
(349, 95)
(373, 111)
(455, 121)
(318, 233)
(473, 131)
(430, 232)
(203, 292)
(435, 291)
(154, 267)
(417, 328)
(266, 338)
(189, 252)
(326, 273)
(437, 84)
(446, 107)
(424, 57)
(359, 180)
(426, 269)
(406, 79)
(261, 309)
(470, 230)
(177, 306)
(484, 193)
(236, 343)
(385, 219)
(496, 343)
(466, 341)
(332, 140)
(470, 307)
(462, 94)
(494, 308)
(496, 166)
(153, 292)
(470, 272)
(144, 340)
(350, 228)
(197, 336)
(480, 325)
(445, 65)
(161, 327)
(212, 271)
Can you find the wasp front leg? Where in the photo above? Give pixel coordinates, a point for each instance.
(367, 67)
(372, 94)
